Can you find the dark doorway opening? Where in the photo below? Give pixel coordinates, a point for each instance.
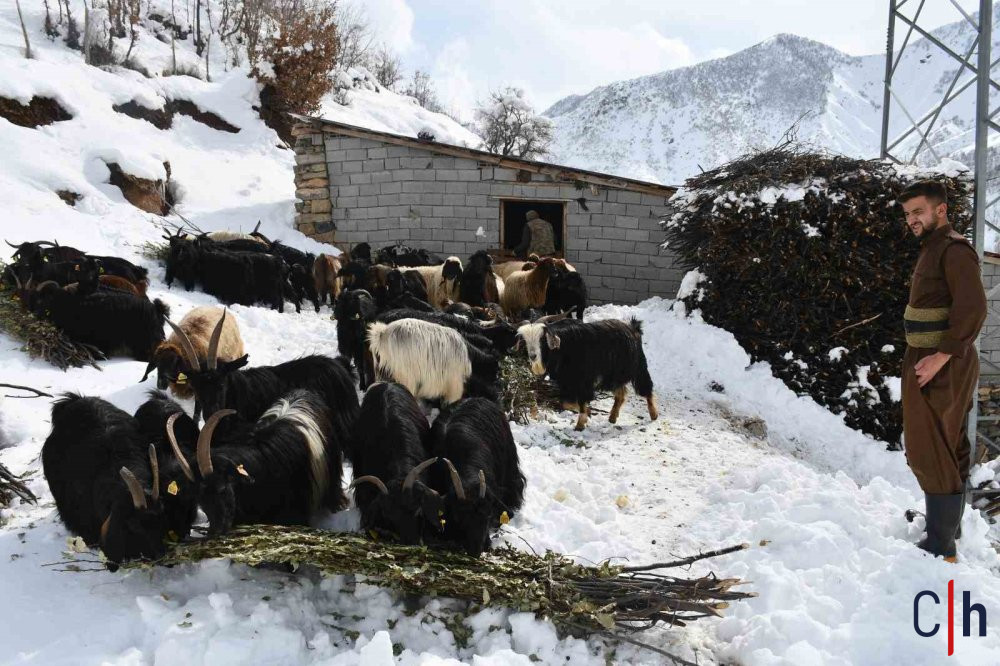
(512, 216)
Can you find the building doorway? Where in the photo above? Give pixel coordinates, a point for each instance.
(513, 218)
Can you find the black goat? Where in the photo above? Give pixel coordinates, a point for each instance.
(122, 268)
(221, 384)
(233, 277)
(362, 254)
(477, 472)
(390, 462)
(479, 284)
(98, 464)
(163, 422)
(566, 291)
(405, 282)
(278, 471)
(583, 358)
(113, 321)
(355, 309)
(404, 255)
(300, 273)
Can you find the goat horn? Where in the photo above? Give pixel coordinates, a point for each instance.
(256, 228)
(411, 478)
(47, 243)
(187, 346)
(17, 280)
(154, 465)
(482, 484)
(181, 460)
(456, 480)
(374, 480)
(47, 282)
(204, 452)
(213, 344)
(11, 244)
(134, 489)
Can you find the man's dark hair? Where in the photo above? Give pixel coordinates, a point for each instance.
(935, 191)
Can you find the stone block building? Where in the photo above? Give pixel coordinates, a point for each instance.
(359, 185)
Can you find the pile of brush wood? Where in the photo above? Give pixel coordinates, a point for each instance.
(41, 338)
(12, 486)
(580, 599)
(806, 260)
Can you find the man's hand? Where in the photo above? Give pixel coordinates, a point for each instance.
(928, 366)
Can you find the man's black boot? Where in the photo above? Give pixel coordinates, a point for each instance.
(961, 512)
(942, 516)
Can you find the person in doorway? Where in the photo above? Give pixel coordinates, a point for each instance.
(945, 311)
(537, 237)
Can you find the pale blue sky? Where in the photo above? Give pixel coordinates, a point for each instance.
(554, 48)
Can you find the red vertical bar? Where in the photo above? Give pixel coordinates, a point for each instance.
(951, 617)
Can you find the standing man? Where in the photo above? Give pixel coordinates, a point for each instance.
(537, 237)
(946, 309)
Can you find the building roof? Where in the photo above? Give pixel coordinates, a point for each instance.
(558, 172)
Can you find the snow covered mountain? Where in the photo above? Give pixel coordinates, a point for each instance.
(663, 127)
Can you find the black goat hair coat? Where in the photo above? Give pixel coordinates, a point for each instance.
(474, 435)
(90, 441)
(115, 322)
(596, 356)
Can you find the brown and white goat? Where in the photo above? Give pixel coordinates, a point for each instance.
(442, 281)
(505, 269)
(526, 289)
(327, 282)
(194, 344)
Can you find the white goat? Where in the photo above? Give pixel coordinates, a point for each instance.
(441, 281)
(431, 361)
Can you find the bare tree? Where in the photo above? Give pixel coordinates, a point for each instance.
(421, 89)
(24, 31)
(509, 126)
(355, 36)
(386, 67)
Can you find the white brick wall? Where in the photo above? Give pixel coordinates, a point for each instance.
(383, 193)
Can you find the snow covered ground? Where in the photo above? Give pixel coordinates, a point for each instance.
(831, 557)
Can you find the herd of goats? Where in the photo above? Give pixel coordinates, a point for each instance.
(266, 444)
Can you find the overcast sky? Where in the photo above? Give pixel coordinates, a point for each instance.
(554, 48)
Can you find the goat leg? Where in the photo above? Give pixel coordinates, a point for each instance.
(651, 404)
(581, 419)
(616, 408)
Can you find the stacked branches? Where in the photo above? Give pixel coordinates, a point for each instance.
(578, 598)
(11, 486)
(41, 338)
(805, 259)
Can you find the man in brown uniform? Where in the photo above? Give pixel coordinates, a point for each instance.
(946, 309)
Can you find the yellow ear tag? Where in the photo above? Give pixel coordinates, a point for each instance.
(172, 489)
(373, 535)
(241, 470)
(504, 518)
(181, 378)
(443, 521)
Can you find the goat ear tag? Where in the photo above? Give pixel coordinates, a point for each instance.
(504, 518)
(181, 379)
(172, 489)
(242, 470)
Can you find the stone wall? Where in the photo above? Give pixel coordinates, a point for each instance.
(383, 193)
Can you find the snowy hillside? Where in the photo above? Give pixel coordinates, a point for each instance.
(667, 126)
(735, 457)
